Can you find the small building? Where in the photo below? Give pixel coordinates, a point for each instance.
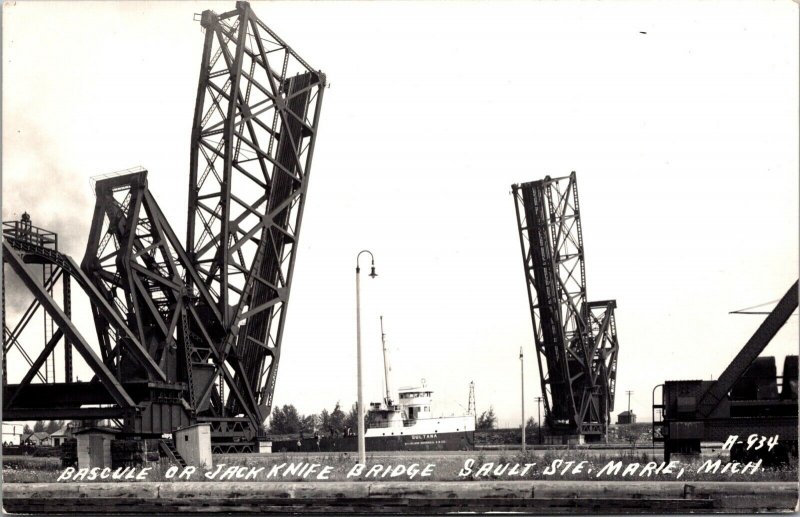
(38, 438)
(626, 417)
(60, 436)
(193, 443)
(94, 446)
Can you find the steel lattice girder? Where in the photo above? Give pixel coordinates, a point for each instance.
(255, 126)
(139, 264)
(168, 320)
(145, 406)
(100, 303)
(575, 341)
(130, 266)
(14, 257)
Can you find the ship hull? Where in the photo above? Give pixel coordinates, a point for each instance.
(455, 441)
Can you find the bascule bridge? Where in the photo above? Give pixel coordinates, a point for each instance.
(188, 330)
(575, 339)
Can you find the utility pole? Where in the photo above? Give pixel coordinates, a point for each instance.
(522, 384)
(539, 404)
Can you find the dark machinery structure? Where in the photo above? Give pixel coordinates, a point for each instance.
(748, 398)
(188, 332)
(576, 340)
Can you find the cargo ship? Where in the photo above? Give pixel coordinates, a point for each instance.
(408, 425)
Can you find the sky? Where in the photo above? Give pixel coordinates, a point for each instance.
(680, 120)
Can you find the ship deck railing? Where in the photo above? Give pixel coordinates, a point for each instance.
(409, 423)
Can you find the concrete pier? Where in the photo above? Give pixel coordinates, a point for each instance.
(408, 497)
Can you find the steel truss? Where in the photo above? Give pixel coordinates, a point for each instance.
(255, 126)
(576, 340)
(187, 332)
(135, 260)
(25, 252)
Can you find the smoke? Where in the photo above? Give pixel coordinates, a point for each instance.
(57, 198)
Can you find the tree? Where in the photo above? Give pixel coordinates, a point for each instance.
(27, 429)
(337, 419)
(285, 420)
(332, 422)
(351, 420)
(487, 420)
(324, 419)
(309, 423)
(531, 427)
(53, 426)
(38, 426)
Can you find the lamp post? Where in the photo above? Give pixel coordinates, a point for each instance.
(522, 383)
(630, 415)
(362, 452)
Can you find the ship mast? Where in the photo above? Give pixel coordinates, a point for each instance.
(386, 368)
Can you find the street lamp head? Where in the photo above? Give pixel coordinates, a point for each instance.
(372, 273)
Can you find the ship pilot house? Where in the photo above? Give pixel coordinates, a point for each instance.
(415, 404)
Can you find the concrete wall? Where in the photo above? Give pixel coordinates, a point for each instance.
(194, 444)
(524, 496)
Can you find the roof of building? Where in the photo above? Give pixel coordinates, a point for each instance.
(627, 413)
(63, 431)
(40, 435)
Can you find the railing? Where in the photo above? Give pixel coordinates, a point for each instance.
(383, 425)
(659, 428)
(408, 422)
(24, 231)
(94, 179)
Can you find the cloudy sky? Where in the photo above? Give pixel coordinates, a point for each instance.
(681, 120)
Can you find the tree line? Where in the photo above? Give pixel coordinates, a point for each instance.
(48, 427)
(287, 420)
(488, 420)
